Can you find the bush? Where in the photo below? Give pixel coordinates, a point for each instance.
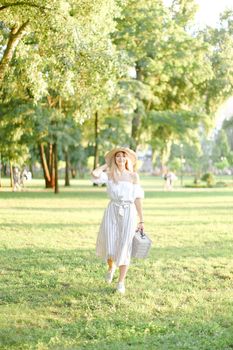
(221, 184)
(209, 179)
(195, 186)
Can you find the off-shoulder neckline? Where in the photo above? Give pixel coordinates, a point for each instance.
(123, 181)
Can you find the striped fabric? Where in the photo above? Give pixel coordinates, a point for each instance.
(119, 222)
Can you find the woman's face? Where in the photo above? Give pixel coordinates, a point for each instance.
(120, 158)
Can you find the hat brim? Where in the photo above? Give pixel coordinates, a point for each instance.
(129, 152)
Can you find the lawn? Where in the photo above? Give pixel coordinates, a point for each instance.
(52, 289)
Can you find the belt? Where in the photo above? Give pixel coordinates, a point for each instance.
(122, 205)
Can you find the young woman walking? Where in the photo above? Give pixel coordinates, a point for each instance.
(119, 223)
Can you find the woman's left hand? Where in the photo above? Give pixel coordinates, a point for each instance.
(140, 227)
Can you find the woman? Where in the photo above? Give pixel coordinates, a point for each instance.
(114, 241)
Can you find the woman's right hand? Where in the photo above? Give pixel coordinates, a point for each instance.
(140, 226)
(104, 167)
(96, 172)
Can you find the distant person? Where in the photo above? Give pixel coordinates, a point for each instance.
(115, 238)
(16, 179)
(29, 175)
(169, 178)
(25, 176)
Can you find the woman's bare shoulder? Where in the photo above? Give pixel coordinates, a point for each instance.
(108, 174)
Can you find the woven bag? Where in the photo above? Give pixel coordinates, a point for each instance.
(141, 245)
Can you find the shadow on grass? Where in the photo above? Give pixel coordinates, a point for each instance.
(89, 192)
(173, 335)
(45, 276)
(48, 194)
(188, 194)
(168, 334)
(167, 209)
(52, 209)
(65, 289)
(41, 227)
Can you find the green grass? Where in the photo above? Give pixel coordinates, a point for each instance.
(52, 290)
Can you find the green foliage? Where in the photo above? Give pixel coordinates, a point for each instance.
(71, 57)
(209, 179)
(191, 153)
(113, 130)
(78, 156)
(175, 164)
(167, 127)
(221, 147)
(74, 57)
(220, 85)
(171, 65)
(228, 128)
(223, 164)
(15, 132)
(230, 158)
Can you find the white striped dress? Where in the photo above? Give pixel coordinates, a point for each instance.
(119, 222)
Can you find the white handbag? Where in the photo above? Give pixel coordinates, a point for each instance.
(141, 245)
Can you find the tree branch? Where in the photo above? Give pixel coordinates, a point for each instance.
(16, 35)
(22, 3)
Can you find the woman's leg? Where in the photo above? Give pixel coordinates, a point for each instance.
(110, 264)
(121, 285)
(123, 271)
(111, 271)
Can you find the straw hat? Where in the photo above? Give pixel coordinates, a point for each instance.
(130, 154)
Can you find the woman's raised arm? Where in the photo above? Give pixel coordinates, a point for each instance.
(98, 171)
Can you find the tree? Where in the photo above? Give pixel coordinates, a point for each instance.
(221, 153)
(109, 130)
(220, 84)
(52, 25)
(170, 62)
(66, 68)
(164, 128)
(228, 128)
(14, 135)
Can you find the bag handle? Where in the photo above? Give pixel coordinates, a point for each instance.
(141, 233)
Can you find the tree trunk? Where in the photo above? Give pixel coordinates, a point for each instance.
(73, 173)
(0, 170)
(16, 34)
(136, 121)
(96, 152)
(50, 162)
(49, 159)
(11, 176)
(67, 178)
(134, 132)
(44, 164)
(4, 169)
(48, 174)
(31, 169)
(56, 188)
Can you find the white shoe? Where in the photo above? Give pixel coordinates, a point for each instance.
(109, 276)
(120, 287)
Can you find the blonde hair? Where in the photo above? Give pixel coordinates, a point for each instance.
(113, 171)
